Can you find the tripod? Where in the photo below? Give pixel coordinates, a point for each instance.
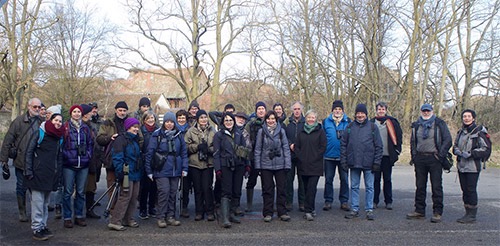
(115, 189)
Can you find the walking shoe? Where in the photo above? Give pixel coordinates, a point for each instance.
(143, 215)
(90, 214)
(185, 213)
(116, 227)
(345, 206)
(58, 211)
(40, 236)
(152, 212)
(352, 215)
(308, 217)
(80, 222)
(285, 217)
(302, 208)
(268, 218)
(388, 206)
(198, 217)
(415, 215)
(436, 218)
(68, 224)
(210, 217)
(47, 232)
(370, 215)
(328, 206)
(162, 223)
(132, 223)
(171, 221)
(238, 211)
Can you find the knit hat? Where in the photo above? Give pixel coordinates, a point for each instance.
(228, 106)
(426, 107)
(93, 105)
(144, 101)
(85, 109)
(361, 108)
(194, 104)
(258, 104)
(472, 112)
(129, 122)
(75, 106)
(169, 116)
(55, 109)
(337, 103)
(200, 113)
(121, 104)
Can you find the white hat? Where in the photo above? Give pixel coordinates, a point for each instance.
(55, 109)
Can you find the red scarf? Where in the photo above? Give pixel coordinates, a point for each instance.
(51, 130)
(150, 128)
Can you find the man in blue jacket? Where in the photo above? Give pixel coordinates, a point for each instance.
(361, 151)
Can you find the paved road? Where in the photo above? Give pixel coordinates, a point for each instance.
(329, 228)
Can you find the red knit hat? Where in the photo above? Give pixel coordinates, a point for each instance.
(75, 106)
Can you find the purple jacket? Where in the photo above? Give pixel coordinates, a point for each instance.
(77, 141)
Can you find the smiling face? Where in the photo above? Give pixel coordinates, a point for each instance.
(426, 114)
(134, 129)
(181, 120)
(76, 114)
(381, 111)
(169, 125)
(57, 122)
(271, 120)
(311, 119)
(467, 118)
(279, 110)
(121, 112)
(228, 122)
(260, 112)
(203, 120)
(360, 116)
(150, 120)
(337, 112)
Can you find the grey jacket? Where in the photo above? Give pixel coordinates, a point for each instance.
(470, 142)
(272, 151)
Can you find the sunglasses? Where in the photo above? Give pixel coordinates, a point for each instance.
(36, 106)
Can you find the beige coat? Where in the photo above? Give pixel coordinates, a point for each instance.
(193, 138)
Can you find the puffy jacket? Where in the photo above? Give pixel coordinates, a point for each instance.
(147, 136)
(292, 130)
(361, 145)
(73, 138)
(442, 139)
(230, 149)
(275, 145)
(18, 135)
(174, 163)
(126, 150)
(333, 141)
(470, 142)
(310, 149)
(194, 136)
(44, 162)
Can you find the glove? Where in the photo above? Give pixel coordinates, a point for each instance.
(119, 176)
(345, 167)
(203, 147)
(5, 171)
(150, 176)
(375, 168)
(218, 175)
(184, 173)
(465, 155)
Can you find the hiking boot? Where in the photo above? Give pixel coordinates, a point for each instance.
(370, 215)
(171, 221)
(80, 222)
(328, 206)
(302, 208)
(47, 232)
(132, 223)
(90, 214)
(345, 206)
(198, 217)
(352, 215)
(185, 213)
(68, 224)
(40, 236)
(58, 212)
(268, 218)
(143, 215)
(415, 215)
(238, 211)
(388, 206)
(152, 212)
(285, 217)
(436, 218)
(210, 217)
(309, 217)
(116, 227)
(162, 223)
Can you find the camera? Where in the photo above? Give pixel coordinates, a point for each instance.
(274, 153)
(340, 133)
(171, 147)
(202, 156)
(81, 150)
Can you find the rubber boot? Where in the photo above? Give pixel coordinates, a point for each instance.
(225, 203)
(249, 200)
(470, 215)
(473, 213)
(463, 218)
(89, 200)
(21, 204)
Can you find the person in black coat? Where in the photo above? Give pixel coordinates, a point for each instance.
(310, 146)
(43, 172)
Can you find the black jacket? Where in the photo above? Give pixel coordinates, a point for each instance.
(442, 138)
(394, 150)
(310, 149)
(292, 130)
(230, 149)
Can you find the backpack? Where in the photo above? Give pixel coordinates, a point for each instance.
(42, 134)
(483, 133)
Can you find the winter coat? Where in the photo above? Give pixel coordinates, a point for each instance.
(231, 149)
(252, 127)
(310, 149)
(276, 146)
(470, 142)
(292, 130)
(175, 162)
(126, 150)
(147, 136)
(332, 139)
(195, 136)
(18, 136)
(361, 145)
(394, 150)
(44, 161)
(442, 139)
(73, 138)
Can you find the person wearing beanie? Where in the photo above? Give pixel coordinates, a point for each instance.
(192, 109)
(471, 148)
(121, 104)
(216, 116)
(55, 109)
(77, 152)
(429, 145)
(334, 126)
(199, 140)
(280, 111)
(126, 154)
(361, 136)
(166, 162)
(144, 106)
(43, 112)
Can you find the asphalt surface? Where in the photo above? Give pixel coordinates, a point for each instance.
(328, 228)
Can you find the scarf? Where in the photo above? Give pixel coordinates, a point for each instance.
(271, 129)
(426, 125)
(337, 119)
(51, 130)
(182, 128)
(390, 128)
(76, 123)
(150, 128)
(169, 134)
(309, 128)
(469, 128)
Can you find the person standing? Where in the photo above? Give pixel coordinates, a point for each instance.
(148, 190)
(144, 106)
(43, 172)
(216, 116)
(361, 152)
(77, 152)
(294, 127)
(182, 125)
(310, 147)
(272, 158)
(392, 139)
(14, 147)
(470, 148)
(430, 142)
(334, 126)
(280, 112)
(192, 109)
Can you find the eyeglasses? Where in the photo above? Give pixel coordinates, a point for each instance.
(36, 106)
(228, 120)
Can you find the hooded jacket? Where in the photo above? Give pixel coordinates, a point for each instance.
(470, 142)
(195, 136)
(275, 146)
(228, 146)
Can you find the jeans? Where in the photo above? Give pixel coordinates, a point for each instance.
(74, 178)
(311, 187)
(167, 194)
(39, 210)
(468, 184)
(20, 188)
(386, 171)
(290, 176)
(330, 166)
(355, 182)
(426, 165)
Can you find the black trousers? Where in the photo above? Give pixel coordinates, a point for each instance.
(252, 179)
(231, 183)
(148, 194)
(187, 184)
(425, 166)
(203, 193)
(386, 172)
(468, 184)
(310, 187)
(268, 179)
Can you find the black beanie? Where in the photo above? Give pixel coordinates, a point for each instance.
(121, 104)
(228, 106)
(338, 103)
(200, 113)
(361, 108)
(472, 112)
(85, 109)
(144, 101)
(194, 104)
(258, 104)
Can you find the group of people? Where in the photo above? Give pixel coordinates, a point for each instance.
(148, 163)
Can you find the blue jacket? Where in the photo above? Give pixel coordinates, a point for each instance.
(333, 141)
(361, 145)
(74, 138)
(126, 150)
(174, 163)
(275, 143)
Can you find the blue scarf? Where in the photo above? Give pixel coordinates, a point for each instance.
(426, 125)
